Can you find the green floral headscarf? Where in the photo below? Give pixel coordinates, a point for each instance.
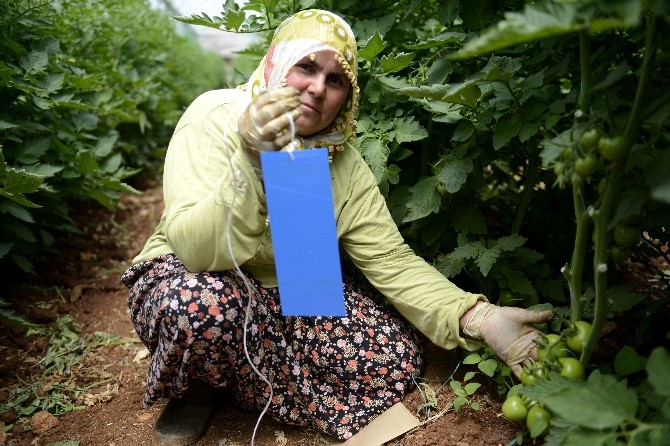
(298, 36)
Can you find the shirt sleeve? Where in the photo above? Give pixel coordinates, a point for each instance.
(215, 213)
(424, 296)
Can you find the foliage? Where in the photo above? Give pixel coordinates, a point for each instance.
(513, 140)
(70, 379)
(89, 98)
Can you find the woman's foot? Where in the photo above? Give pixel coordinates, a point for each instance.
(183, 420)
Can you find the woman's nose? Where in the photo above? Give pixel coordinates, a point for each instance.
(317, 86)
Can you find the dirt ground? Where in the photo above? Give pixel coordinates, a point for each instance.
(83, 281)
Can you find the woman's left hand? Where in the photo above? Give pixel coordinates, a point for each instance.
(508, 331)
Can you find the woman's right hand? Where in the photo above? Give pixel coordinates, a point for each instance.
(263, 126)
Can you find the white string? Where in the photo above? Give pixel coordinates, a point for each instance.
(253, 293)
(291, 145)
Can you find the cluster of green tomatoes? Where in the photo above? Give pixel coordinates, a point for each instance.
(556, 354)
(589, 155)
(593, 147)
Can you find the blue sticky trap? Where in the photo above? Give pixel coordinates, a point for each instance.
(302, 224)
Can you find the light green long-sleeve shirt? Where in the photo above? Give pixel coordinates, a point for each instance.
(211, 194)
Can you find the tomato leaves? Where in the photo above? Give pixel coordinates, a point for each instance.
(604, 401)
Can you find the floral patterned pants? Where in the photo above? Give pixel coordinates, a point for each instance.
(332, 374)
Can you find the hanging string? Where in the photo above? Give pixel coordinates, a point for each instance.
(291, 146)
(251, 289)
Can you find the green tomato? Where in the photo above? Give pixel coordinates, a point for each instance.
(514, 409)
(509, 299)
(571, 368)
(619, 253)
(576, 341)
(612, 149)
(553, 348)
(531, 375)
(586, 166)
(589, 139)
(537, 421)
(626, 236)
(442, 190)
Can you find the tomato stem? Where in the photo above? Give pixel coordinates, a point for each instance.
(641, 101)
(573, 273)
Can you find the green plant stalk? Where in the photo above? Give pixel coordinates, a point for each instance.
(601, 219)
(573, 273)
(641, 99)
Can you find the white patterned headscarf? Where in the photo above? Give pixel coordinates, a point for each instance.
(296, 37)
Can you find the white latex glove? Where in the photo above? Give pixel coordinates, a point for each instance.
(508, 331)
(264, 124)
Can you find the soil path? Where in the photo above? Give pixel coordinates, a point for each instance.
(108, 379)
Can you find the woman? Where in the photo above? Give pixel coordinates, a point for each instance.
(189, 300)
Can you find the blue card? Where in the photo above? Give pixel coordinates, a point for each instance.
(304, 238)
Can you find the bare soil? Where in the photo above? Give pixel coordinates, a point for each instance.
(83, 281)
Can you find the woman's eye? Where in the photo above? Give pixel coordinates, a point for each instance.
(305, 67)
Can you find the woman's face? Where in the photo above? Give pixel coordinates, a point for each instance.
(323, 87)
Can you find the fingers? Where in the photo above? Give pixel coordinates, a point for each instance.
(275, 129)
(271, 104)
(537, 317)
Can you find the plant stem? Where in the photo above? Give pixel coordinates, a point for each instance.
(641, 100)
(573, 273)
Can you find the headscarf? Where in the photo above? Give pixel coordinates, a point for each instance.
(296, 37)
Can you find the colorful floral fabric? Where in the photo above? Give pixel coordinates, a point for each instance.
(333, 374)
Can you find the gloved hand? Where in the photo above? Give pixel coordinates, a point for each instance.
(263, 125)
(507, 330)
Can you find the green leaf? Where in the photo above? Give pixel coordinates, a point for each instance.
(372, 47)
(19, 182)
(105, 144)
(471, 388)
(424, 199)
(472, 358)
(376, 153)
(408, 130)
(454, 174)
(604, 402)
(506, 128)
(16, 210)
(469, 221)
(658, 371)
(537, 21)
(5, 248)
(393, 63)
(52, 82)
(34, 61)
(458, 402)
(627, 362)
(488, 367)
(466, 93)
(623, 297)
(487, 259)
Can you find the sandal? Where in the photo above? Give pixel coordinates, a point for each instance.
(183, 420)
